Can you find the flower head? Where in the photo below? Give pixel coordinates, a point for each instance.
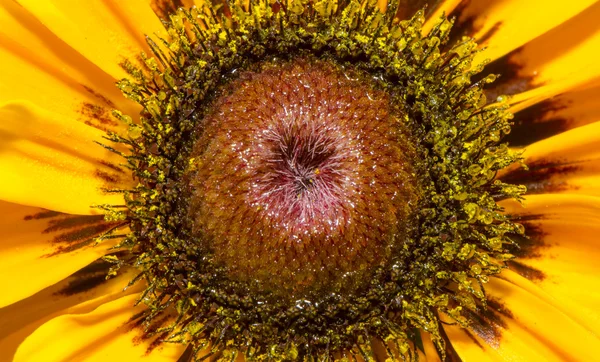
(298, 180)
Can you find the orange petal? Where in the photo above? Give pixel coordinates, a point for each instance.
(562, 253)
(101, 335)
(568, 162)
(570, 62)
(430, 353)
(498, 338)
(50, 162)
(32, 242)
(105, 32)
(79, 293)
(545, 323)
(39, 67)
(505, 25)
(577, 144)
(577, 107)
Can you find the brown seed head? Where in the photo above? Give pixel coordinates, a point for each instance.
(303, 179)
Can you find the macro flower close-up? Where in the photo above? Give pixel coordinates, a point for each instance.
(299, 180)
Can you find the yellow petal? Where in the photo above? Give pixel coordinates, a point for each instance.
(568, 162)
(568, 63)
(39, 67)
(574, 49)
(105, 32)
(79, 293)
(562, 253)
(567, 339)
(32, 242)
(505, 25)
(50, 162)
(444, 9)
(39, 84)
(101, 335)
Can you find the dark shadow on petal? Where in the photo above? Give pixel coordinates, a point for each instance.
(530, 245)
(408, 8)
(527, 217)
(510, 80)
(486, 324)
(154, 333)
(187, 355)
(531, 124)
(462, 27)
(474, 339)
(451, 354)
(101, 115)
(43, 215)
(488, 321)
(164, 8)
(71, 221)
(499, 307)
(87, 278)
(538, 178)
(526, 271)
(71, 232)
(465, 26)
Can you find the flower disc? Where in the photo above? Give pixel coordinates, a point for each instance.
(313, 179)
(302, 182)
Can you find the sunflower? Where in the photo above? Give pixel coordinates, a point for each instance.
(299, 180)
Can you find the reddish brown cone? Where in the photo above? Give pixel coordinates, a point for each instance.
(303, 179)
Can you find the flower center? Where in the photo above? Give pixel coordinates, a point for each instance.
(302, 183)
(312, 207)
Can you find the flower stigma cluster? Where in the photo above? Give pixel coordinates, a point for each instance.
(316, 181)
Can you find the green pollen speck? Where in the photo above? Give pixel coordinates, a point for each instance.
(459, 239)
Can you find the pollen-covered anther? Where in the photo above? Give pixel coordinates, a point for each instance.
(303, 178)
